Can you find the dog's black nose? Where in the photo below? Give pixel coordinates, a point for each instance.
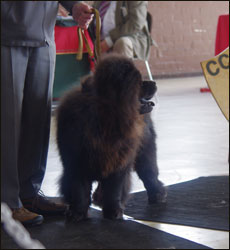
(148, 89)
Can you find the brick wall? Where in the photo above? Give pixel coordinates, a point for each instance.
(185, 34)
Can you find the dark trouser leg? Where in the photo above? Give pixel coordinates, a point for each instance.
(35, 122)
(14, 61)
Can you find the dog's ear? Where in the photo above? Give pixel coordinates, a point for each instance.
(148, 89)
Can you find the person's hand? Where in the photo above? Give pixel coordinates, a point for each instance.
(82, 14)
(62, 11)
(104, 46)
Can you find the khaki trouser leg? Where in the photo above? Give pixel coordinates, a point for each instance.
(124, 47)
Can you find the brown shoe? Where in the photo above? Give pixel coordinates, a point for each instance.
(26, 217)
(42, 205)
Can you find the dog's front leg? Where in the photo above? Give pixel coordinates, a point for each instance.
(112, 188)
(80, 200)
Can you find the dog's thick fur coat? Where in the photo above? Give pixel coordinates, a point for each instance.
(101, 136)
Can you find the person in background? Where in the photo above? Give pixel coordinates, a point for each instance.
(27, 72)
(124, 28)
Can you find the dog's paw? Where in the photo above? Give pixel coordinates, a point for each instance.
(72, 216)
(113, 214)
(158, 197)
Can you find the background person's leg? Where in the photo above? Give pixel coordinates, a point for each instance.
(124, 47)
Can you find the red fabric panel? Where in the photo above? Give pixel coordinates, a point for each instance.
(66, 39)
(222, 34)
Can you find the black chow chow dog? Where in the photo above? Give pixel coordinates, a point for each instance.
(102, 135)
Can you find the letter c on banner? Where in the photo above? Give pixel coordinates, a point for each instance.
(220, 60)
(210, 71)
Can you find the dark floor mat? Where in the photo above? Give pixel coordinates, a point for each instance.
(203, 202)
(99, 233)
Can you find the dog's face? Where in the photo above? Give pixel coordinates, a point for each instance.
(116, 77)
(148, 90)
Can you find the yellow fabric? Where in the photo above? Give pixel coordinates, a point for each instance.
(98, 29)
(216, 72)
(80, 48)
(81, 36)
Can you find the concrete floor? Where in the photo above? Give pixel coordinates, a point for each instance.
(193, 141)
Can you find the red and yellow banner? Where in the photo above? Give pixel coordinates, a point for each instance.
(216, 72)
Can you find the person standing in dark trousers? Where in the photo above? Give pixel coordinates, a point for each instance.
(27, 72)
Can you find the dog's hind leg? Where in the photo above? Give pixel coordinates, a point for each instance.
(147, 169)
(155, 188)
(147, 173)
